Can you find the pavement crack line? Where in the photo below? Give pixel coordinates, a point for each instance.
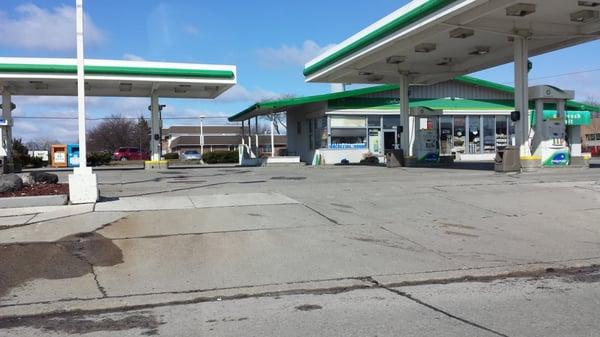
(436, 309)
(333, 221)
(28, 223)
(85, 260)
(416, 243)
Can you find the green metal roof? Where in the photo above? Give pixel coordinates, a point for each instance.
(285, 103)
(401, 22)
(115, 70)
(339, 97)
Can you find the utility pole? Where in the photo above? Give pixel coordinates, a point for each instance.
(201, 136)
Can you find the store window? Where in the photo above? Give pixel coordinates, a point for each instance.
(348, 138)
(474, 134)
(348, 132)
(348, 122)
(391, 122)
(321, 132)
(502, 131)
(489, 134)
(374, 121)
(459, 134)
(311, 134)
(446, 135)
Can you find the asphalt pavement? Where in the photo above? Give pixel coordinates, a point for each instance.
(297, 251)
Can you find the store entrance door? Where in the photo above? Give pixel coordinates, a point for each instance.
(389, 140)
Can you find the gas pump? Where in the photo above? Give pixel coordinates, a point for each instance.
(549, 141)
(426, 147)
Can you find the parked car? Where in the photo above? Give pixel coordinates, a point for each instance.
(190, 155)
(594, 150)
(130, 153)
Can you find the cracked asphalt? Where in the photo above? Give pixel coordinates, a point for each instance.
(297, 251)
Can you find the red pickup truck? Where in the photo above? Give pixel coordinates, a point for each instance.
(130, 153)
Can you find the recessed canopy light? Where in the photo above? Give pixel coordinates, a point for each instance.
(520, 9)
(395, 59)
(375, 78)
(125, 87)
(425, 48)
(461, 33)
(446, 61)
(585, 16)
(589, 3)
(365, 73)
(182, 89)
(481, 50)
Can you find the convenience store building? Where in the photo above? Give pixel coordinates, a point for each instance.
(475, 120)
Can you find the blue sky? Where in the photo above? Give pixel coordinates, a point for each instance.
(268, 40)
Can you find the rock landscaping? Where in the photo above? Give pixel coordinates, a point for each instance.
(31, 184)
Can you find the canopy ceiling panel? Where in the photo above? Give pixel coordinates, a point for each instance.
(437, 40)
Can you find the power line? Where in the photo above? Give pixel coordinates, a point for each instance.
(109, 118)
(560, 75)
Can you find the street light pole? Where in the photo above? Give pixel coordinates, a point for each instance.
(83, 183)
(81, 86)
(201, 137)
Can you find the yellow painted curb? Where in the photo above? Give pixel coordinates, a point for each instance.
(531, 158)
(150, 162)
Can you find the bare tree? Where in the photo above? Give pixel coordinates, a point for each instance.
(41, 144)
(116, 132)
(279, 118)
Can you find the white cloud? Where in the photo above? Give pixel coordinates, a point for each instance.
(191, 30)
(291, 55)
(132, 57)
(240, 93)
(32, 27)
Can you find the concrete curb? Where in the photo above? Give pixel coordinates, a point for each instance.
(146, 301)
(35, 201)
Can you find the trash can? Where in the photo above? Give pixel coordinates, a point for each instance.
(58, 155)
(73, 155)
(394, 158)
(508, 160)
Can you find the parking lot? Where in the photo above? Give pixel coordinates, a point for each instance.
(264, 251)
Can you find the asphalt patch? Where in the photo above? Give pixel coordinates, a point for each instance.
(308, 307)
(70, 257)
(83, 325)
(288, 178)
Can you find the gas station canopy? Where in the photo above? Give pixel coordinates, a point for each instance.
(436, 40)
(58, 77)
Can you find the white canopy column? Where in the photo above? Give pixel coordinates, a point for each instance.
(522, 128)
(407, 122)
(272, 135)
(155, 127)
(7, 134)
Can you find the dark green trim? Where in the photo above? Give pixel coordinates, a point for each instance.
(401, 22)
(116, 70)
